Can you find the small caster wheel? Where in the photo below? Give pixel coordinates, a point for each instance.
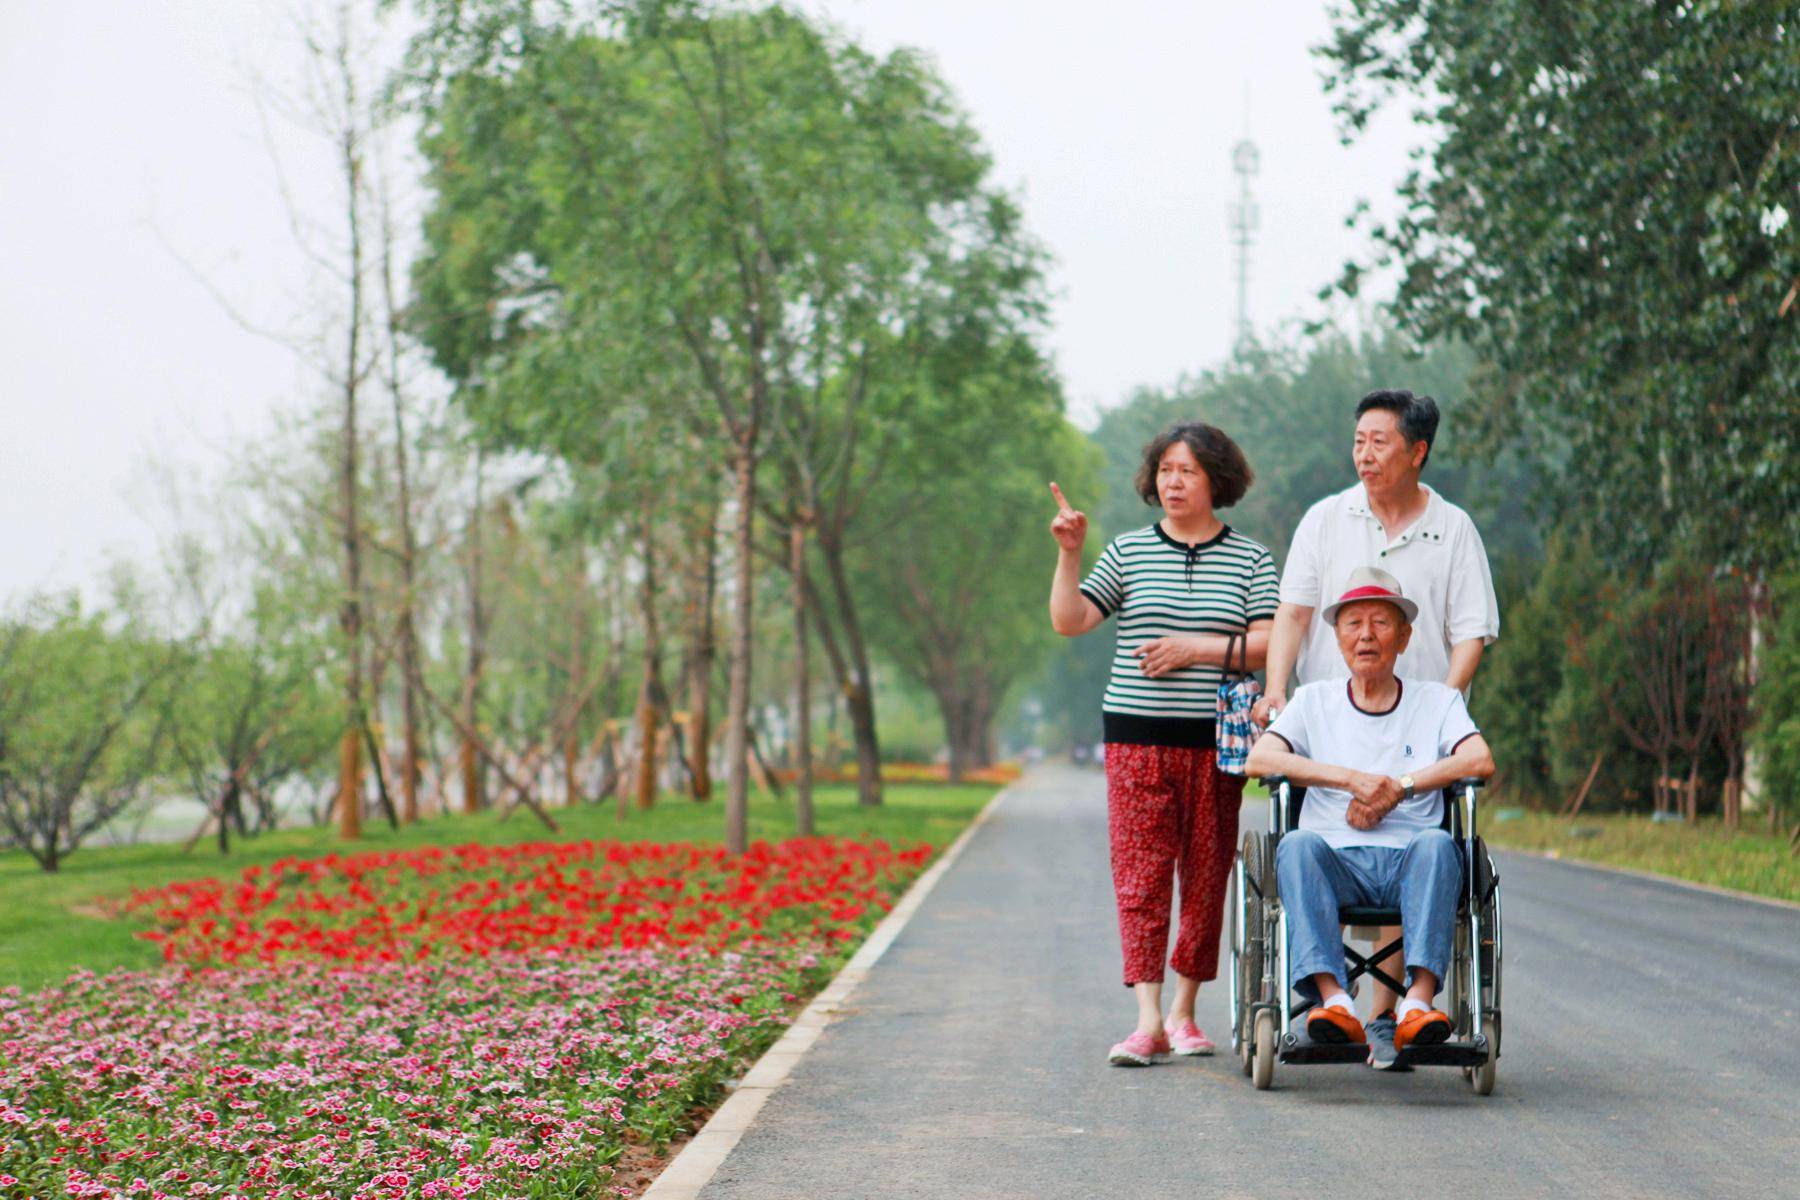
(1263, 1073)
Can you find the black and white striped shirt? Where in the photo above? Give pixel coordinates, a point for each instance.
(1160, 587)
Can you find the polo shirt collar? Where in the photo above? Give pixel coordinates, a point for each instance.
(1429, 526)
(1215, 539)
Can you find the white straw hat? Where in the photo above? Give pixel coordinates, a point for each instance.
(1371, 583)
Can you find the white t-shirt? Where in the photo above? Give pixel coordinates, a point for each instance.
(1428, 721)
(1440, 563)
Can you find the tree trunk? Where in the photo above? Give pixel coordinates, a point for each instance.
(226, 802)
(472, 774)
(648, 729)
(968, 728)
(621, 792)
(409, 652)
(581, 629)
(859, 695)
(349, 802)
(349, 798)
(411, 767)
(803, 756)
(737, 736)
(700, 667)
(651, 697)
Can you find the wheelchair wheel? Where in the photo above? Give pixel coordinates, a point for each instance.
(1247, 941)
(1487, 954)
(1264, 1074)
(1240, 967)
(1482, 1078)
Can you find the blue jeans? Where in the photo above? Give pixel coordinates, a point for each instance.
(1424, 881)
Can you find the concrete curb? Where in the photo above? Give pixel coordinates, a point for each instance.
(1692, 885)
(701, 1158)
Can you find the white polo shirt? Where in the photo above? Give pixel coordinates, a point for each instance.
(1427, 722)
(1440, 563)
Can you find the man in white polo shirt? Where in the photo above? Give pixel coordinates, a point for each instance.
(1390, 520)
(1376, 752)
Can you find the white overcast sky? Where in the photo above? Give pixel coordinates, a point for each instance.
(131, 136)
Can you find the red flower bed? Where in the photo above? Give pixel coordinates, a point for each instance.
(410, 905)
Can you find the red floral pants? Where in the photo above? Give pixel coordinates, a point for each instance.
(1170, 814)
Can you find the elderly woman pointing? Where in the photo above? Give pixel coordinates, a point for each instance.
(1194, 597)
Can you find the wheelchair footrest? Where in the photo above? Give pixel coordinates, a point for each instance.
(1471, 1053)
(1300, 1050)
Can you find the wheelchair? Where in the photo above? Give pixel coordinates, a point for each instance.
(1263, 1006)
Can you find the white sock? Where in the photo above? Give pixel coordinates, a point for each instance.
(1409, 1005)
(1342, 1000)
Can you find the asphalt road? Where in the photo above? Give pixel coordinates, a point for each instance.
(1652, 1049)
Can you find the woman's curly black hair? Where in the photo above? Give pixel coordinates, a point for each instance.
(1227, 470)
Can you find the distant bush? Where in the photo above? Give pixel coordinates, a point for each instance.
(1777, 702)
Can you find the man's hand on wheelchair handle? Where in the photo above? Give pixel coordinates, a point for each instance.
(1265, 708)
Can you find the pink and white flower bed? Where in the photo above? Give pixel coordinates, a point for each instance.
(466, 1078)
(464, 1022)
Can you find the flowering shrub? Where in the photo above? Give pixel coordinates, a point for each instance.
(449, 1022)
(411, 905)
(499, 1077)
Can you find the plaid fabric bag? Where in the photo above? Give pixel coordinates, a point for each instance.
(1238, 693)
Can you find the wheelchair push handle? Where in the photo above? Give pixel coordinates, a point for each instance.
(1464, 806)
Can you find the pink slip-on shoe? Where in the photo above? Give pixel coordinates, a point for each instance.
(1139, 1050)
(1188, 1038)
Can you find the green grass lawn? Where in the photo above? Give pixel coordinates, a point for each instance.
(1750, 860)
(1747, 861)
(51, 924)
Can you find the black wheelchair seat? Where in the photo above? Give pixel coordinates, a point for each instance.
(1354, 914)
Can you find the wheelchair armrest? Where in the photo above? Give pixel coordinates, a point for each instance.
(1471, 782)
(1277, 803)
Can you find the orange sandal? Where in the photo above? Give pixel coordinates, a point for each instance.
(1329, 1024)
(1421, 1027)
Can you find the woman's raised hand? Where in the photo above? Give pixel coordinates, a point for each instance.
(1069, 527)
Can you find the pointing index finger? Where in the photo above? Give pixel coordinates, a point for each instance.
(1060, 501)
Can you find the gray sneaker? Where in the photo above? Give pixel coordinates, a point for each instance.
(1382, 1055)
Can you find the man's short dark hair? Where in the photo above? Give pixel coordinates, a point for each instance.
(1228, 472)
(1417, 416)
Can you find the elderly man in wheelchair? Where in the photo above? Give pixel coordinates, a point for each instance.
(1375, 755)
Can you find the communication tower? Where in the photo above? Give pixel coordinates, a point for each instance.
(1245, 217)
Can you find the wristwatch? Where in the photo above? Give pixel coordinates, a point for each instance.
(1406, 784)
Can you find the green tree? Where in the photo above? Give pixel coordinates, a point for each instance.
(1777, 700)
(254, 711)
(1523, 674)
(955, 534)
(79, 724)
(1606, 215)
(671, 205)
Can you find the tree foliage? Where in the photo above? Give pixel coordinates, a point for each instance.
(955, 532)
(1778, 699)
(714, 235)
(1607, 215)
(80, 725)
